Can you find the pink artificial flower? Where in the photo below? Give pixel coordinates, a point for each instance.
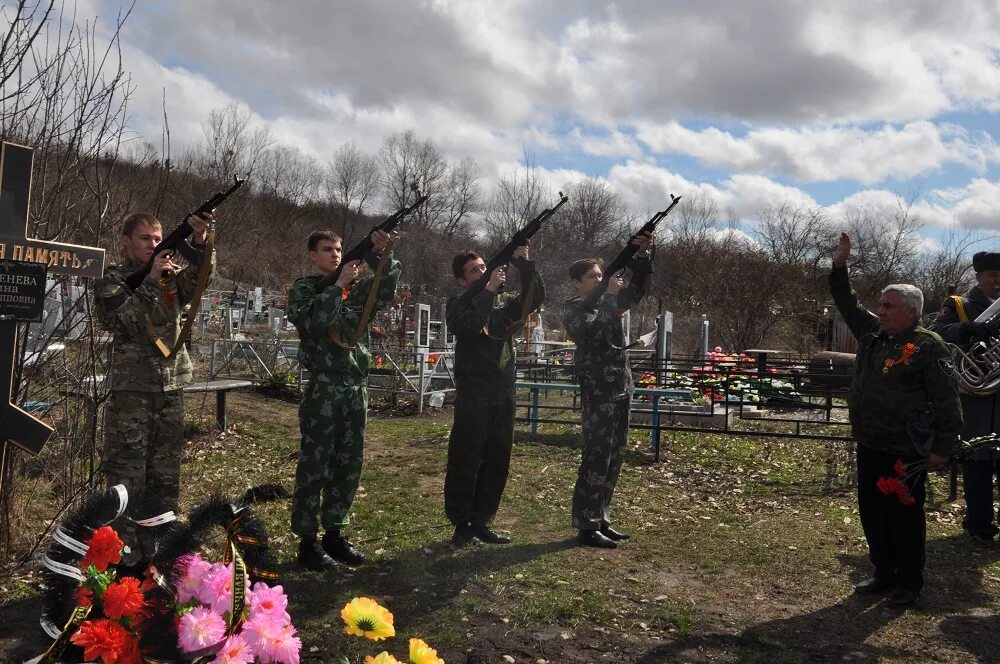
(192, 584)
(200, 628)
(269, 601)
(219, 584)
(272, 639)
(236, 650)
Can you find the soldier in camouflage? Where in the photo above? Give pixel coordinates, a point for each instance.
(482, 435)
(601, 365)
(905, 415)
(334, 407)
(144, 427)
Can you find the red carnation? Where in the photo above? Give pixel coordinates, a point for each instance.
(104, 548)
(84, 596)
(102, 640)
(123, 599)
(899, 468)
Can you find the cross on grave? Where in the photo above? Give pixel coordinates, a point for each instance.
(18, 427)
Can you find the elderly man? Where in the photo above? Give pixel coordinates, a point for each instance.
(905, 415)
(956, 323)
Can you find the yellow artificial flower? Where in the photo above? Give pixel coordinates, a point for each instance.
(421, 653)
(364, 617)
(382, 658)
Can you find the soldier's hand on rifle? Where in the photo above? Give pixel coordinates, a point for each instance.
(380, 239)
(497, 279)
(616, 281)
(349, 274)
(199, 224)
(843, 251)
(522, 251)
(644, 241)
(163, 265)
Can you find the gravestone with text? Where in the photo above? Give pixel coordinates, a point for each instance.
(21, 255)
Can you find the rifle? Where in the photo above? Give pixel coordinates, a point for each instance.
(506, 254)
(363, 250)
(179, 234)
(625, 255)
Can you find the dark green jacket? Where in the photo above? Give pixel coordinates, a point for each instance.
(484, 363)
(600, 359)
(898, 380)
(313, 314)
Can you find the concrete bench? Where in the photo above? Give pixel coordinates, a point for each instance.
(221, 389)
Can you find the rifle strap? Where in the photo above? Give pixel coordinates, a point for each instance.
(201, 282)
(369, 302)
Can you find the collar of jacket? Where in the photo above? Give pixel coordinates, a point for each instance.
(906, 335)
(977, 295)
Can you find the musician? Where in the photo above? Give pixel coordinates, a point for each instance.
(144, 429)
(334, 407)
(956, 324)
(606, 387)
(906, 417)
(483, 431)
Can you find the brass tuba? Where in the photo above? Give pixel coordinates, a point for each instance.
(977, 368)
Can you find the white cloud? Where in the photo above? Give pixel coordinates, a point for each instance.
(828, 154)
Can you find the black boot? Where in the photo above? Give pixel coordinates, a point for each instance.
(487, 535)
(312, 557)
(337, 546)
(613, 534)
(595, 538)
(465, 535)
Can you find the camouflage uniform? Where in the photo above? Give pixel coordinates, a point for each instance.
(899, 380)
(982, 417)
(334, 408)
(602, 369)
(144, 425)
(482, 434)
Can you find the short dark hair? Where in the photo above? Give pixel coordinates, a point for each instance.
(582, 267)
(459, 261)
(130, 222)
(322, 236)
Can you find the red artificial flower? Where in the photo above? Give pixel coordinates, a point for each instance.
(102, 640)
(888, 485)
(123, 599)
(907, 499)
(104, 548)
(899, 468)
(84, 596)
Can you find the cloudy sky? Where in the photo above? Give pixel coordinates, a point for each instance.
(836, 104)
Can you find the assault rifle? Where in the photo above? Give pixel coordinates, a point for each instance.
(363, 250)
(506, 254)
(625, 255)
(181, 233)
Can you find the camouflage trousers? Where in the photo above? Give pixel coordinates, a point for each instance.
(479, 448)
(605, 429)
(143, 441)
(332, 422)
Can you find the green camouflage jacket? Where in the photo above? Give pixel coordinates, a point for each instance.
(898, 380)
(600, 359)
(313, 314)
(137, 365)
(484, 327)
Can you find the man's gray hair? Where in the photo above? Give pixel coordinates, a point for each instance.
(913, 297)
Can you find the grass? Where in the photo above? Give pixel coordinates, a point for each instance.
(737, 553)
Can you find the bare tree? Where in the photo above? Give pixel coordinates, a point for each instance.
(352, 178)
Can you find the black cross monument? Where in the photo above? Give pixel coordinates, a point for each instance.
(18, 427)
